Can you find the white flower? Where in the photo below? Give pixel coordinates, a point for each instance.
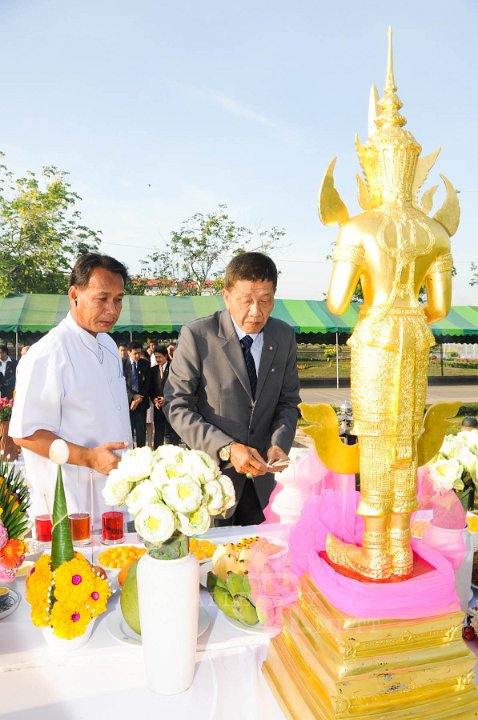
(200, 465)
(155, 523)
(116, 488)
(144, 493)
(172, 453)
(160, 475)
(444, 473)
(136, 464)
(214, 497)
(449, 447)
(182, 494)
(470, 439)
(468, 460)
(228, 492)
(196, 523)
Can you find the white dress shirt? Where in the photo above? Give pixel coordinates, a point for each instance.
(72, 384)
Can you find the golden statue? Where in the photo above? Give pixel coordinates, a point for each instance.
(394, 249)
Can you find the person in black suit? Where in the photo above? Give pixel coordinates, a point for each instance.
(7, 373)
(123, 353)
(233, 386)
(137, 375)
(159, 374)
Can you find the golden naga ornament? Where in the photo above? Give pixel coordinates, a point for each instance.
(393, 248)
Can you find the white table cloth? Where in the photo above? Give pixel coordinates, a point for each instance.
(105, 678)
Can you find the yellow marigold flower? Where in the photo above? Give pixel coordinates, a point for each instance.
(38, 584)
(99, 596)
(40, 616)
(73, 580)
(69, 621)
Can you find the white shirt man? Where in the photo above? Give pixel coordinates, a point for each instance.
(71, 385)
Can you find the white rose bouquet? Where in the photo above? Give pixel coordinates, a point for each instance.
(455, 467)
(172, 493)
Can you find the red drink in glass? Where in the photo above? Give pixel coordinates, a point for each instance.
(112, 527)
(43, 528)
(80, 528)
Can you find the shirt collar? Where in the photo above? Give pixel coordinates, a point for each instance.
(92, 342)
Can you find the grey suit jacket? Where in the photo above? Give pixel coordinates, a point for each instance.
(208, 398)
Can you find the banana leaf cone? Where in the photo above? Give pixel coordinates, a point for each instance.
(61, 543)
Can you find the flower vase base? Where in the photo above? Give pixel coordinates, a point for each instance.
(63, 645)
(168, 594)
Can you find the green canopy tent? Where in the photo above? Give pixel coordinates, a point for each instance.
(165, 315)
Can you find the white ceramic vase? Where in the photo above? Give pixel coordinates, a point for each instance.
(59, 644)
(168, 595)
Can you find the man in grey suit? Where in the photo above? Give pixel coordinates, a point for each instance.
(233, 388)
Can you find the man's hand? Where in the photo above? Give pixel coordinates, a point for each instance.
(103, 459)
(158, 402)
(247, 460)
(135, 402)
(276, 456)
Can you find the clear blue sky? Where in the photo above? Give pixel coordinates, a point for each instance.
(162, 109)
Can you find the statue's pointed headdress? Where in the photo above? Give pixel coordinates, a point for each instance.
(389, 156)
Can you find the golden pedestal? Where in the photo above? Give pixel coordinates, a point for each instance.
(327, 665)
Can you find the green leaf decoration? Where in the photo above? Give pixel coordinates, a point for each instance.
(61, 543)
(14, 500)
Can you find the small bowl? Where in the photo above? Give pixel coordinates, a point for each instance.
(35, 550)
(111, 573)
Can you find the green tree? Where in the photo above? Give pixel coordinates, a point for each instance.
(474, 274)
(40, 232)
(196, 256)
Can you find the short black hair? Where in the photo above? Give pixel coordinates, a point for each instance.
(162, 349)
(84, 266)
(135, 345)
(250, 266)
(469, 421)
(3, 348)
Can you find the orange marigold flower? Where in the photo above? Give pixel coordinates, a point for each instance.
(12, 553)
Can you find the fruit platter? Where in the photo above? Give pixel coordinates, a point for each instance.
(229, 583)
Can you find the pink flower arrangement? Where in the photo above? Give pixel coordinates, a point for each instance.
(5, 409)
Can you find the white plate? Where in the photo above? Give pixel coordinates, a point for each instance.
(24, 570)
(9, 603)
(254, 629)
(204, 568)
(120, 630)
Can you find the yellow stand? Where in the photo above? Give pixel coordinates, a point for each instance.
(327, 665)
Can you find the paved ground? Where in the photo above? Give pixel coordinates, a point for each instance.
(436, 393)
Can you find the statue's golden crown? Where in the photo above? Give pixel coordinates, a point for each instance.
(389, 157)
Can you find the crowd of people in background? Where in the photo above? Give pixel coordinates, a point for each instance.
(146, 371)
(8, 370)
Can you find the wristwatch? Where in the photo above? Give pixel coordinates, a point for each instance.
(225, 453)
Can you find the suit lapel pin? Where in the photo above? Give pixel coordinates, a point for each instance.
(270, 347)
